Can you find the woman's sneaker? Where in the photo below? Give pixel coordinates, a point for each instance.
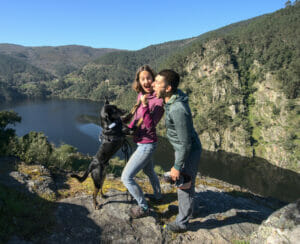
(173, 227)
(138, 212)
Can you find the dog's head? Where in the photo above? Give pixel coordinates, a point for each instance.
(109, 114)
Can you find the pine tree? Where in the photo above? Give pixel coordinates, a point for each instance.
(288, 3)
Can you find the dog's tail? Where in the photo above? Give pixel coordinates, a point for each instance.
(86, 173)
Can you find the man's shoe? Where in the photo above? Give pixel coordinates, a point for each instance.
(173, 227)
(152, 198)
(138, 212)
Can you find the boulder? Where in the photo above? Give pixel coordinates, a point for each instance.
(283, 226)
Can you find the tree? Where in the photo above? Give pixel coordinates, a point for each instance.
(288, 3)
(6, 134)
(34, 147)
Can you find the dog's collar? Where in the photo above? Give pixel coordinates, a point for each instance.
(112, 125)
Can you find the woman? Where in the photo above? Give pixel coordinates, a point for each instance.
(150, 111)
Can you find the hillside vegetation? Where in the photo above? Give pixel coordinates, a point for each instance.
(37, 71)
(244, 87)
(59, 60)
(107, 74)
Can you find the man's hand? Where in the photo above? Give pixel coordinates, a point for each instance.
(174, 174)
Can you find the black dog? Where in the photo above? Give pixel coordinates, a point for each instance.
(112, 137)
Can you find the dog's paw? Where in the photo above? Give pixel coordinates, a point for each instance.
(98, 207)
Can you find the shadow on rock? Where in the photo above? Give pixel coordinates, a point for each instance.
(30, 215)
(214, 209)
(127, 196)
(74, 225)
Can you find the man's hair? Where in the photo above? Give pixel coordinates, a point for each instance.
(171, 78)
(136, 83)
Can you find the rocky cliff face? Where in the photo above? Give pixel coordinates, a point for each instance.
(249, 116)
(271, 121)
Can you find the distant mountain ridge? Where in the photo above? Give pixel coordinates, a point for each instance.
(59, 60)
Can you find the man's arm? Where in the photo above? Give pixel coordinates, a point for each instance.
(182, 122)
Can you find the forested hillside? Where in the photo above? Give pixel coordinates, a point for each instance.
(59, 60)
(107, 74)
(243, 81)
(20, 79)
(37, 71)
(244, 87)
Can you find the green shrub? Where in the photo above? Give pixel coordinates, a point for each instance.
(275, 110)
(66, 157)
(34, 147)
(7, 134)
(61, 156)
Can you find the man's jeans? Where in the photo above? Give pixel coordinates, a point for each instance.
(186, 197)
(141, 159)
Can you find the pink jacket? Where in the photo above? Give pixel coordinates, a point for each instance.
(151, 115)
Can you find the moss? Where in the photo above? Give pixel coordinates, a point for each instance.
(170, 197)
(33, 171)
(260, 150)
(213, 183)
(256, 133)
(35, 174)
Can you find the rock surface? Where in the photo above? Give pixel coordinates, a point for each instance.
(223, 213)
(78, 222)
(219, 217)
(34, 178)
(283, 226)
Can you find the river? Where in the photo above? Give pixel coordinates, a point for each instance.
(75, 122)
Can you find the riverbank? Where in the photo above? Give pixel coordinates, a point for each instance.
(54, 208)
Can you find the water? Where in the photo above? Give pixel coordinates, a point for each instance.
(60, 120)
(74, 122)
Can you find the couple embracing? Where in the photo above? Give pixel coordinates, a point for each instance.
(156, 94)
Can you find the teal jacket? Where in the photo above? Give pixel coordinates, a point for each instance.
(180, 129)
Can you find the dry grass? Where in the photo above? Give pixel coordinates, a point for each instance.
(76, 188)
(33, 171)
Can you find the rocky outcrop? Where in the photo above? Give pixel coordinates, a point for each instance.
(249, 115)
(35, 179)
(272, 122)
(223, 213)
(216, 93)
(220, 216)
(283, 226)
(78, 222)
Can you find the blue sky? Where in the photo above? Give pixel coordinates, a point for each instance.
(121, 24)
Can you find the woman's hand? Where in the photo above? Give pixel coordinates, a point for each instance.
(144, 100)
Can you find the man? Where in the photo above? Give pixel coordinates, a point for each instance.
(184, 139)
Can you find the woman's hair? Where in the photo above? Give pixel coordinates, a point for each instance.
(136, 83)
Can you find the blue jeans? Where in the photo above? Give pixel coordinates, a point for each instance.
(141, 159)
